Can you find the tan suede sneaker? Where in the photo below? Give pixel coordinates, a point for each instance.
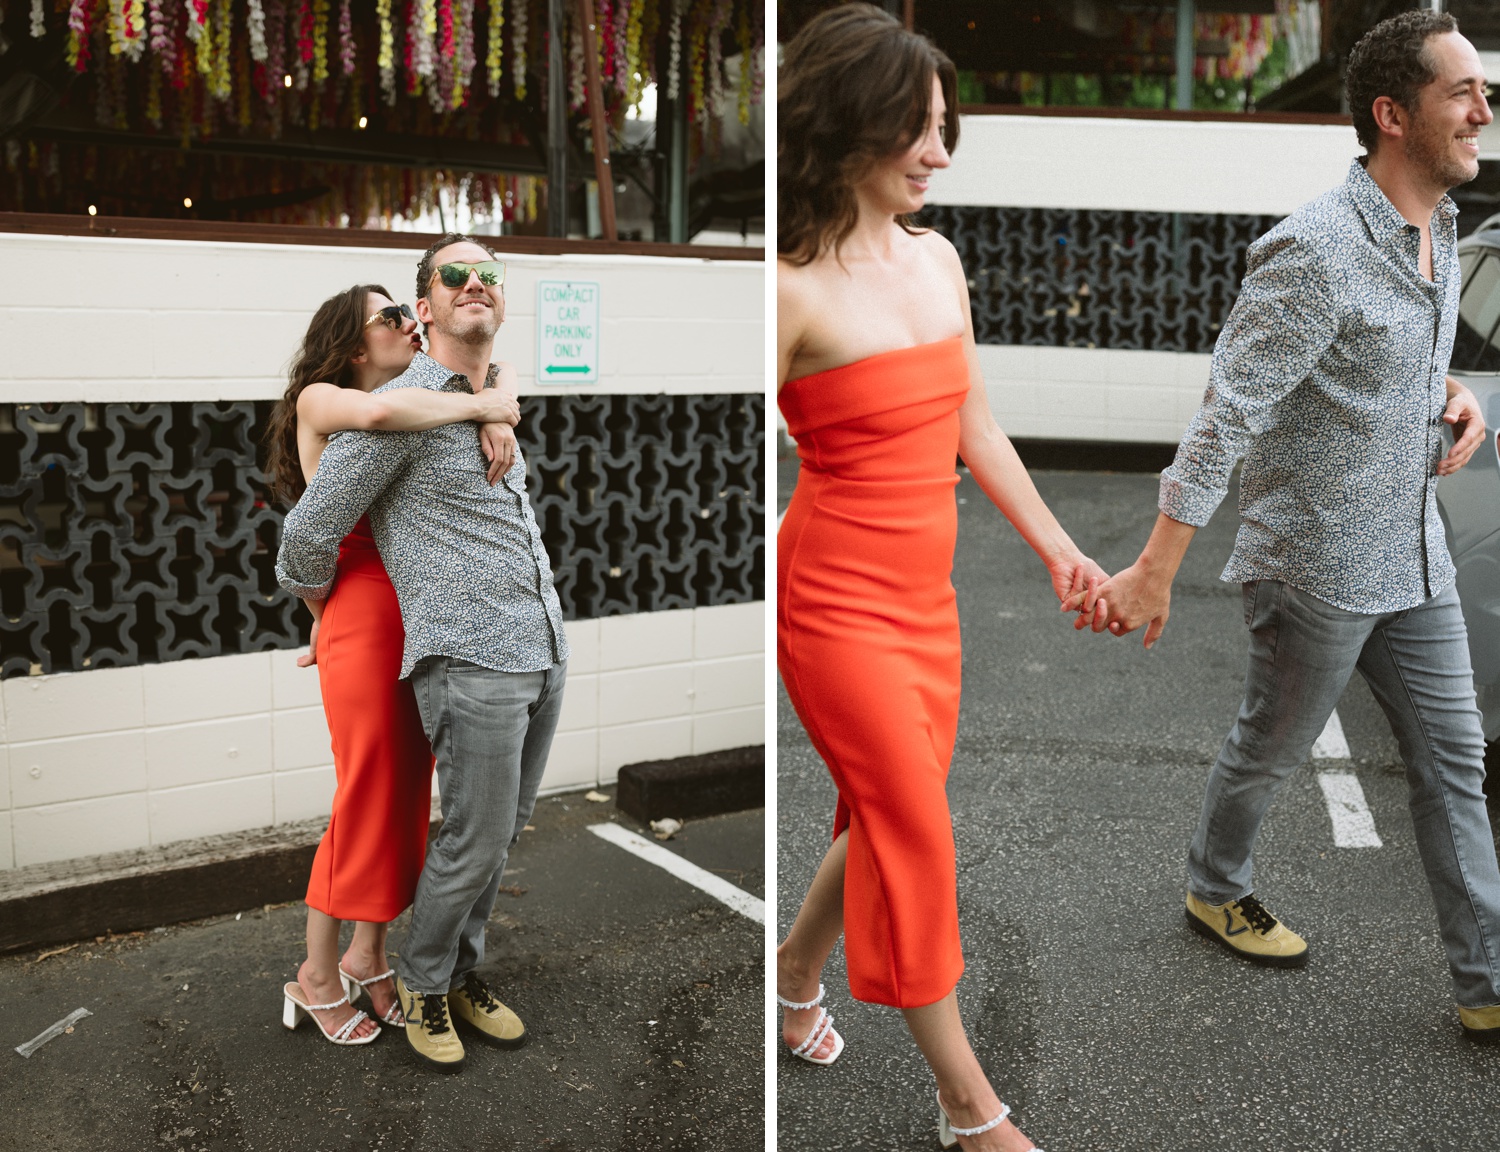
(475, 1005)
(1481, 1024)
(1247, 929)
(428, 1029)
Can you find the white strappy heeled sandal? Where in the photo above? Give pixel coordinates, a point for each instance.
(821, 1028)
(948, 1135)
(295, 1008)
(353, 987)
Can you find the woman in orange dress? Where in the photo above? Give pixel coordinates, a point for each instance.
(881, 389)
(368, 861)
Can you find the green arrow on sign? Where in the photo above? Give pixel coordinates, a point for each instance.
(551, 368)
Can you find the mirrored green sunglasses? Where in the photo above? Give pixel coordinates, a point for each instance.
(490, 272)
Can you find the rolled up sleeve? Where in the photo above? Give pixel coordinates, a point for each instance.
(356, 467)
(1283, 321)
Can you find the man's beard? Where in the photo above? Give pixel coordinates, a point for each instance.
(1430, 154)
(470, 333)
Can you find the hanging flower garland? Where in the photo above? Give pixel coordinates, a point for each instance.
(205, 54)
(197, 11)
(242, 73)
(162, 43)
(305, 45)
(620, 38)
(747, 66)
(346, 39)
(38, 19)
(79, 25)
(518, 16)
(635, 68)
(674, 58)
(442, 78)
(275, 52)
(577, 93)
(717, 24)
(255, 24)
(463, 53)
(385, 58)
(319, 41)
(153, 98)
(697, 58)
(494, 56)
(127, 28)
(223, 40)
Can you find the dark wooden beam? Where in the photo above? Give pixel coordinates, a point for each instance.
(603, 176)
(333, 145)
(142, 227)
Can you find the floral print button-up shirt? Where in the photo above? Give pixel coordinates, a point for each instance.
(1329, 380)
(466, 559)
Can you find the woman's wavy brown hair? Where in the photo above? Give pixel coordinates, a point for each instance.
(335, 334)
(854, 88)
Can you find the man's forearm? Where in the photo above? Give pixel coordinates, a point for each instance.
(308, 556)
(355, 469)
(1168, 544)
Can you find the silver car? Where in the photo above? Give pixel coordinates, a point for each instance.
(1470, 498)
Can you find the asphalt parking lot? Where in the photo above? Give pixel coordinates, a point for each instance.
(643, 997)
(1103, 1021)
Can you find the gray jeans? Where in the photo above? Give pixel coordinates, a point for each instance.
(1302, 652)
(490, 734)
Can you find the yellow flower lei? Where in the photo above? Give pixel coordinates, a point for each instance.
(320, 41)
(494, 58)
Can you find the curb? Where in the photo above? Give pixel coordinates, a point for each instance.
(58, 903)
(706, 785)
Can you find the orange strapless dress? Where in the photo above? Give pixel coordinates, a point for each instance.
(368, 861)
(868, 647)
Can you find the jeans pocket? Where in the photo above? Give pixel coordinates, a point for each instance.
(1264, 607)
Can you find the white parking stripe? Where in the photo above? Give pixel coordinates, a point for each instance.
(1353, 826)
(1331, 745)
(705, 881)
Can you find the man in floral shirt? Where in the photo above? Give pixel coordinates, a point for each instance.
(1330, 381)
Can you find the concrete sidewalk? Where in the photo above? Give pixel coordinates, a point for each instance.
(642, 996)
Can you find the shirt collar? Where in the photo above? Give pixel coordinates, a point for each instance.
(1375, 207)
(428, 369)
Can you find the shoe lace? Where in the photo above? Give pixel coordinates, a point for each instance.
(1255, 914)
(475, 989)
(435, 1014)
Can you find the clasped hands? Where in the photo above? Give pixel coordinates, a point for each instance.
(1117, 604)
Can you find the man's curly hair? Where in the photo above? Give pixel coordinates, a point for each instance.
(1391, 59)
(853, 88)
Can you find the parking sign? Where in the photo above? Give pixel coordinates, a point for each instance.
(567, 331)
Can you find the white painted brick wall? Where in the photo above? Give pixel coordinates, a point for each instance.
(189, 320)
(1143, 165)
(1093, 393)
(120, 758)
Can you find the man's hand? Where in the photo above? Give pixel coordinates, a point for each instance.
(1463, 415)
(1135, 597)
(498, 441)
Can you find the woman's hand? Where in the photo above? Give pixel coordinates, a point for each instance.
(310, 657)
(498, 440)
(497, 407)
(1076, 580)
